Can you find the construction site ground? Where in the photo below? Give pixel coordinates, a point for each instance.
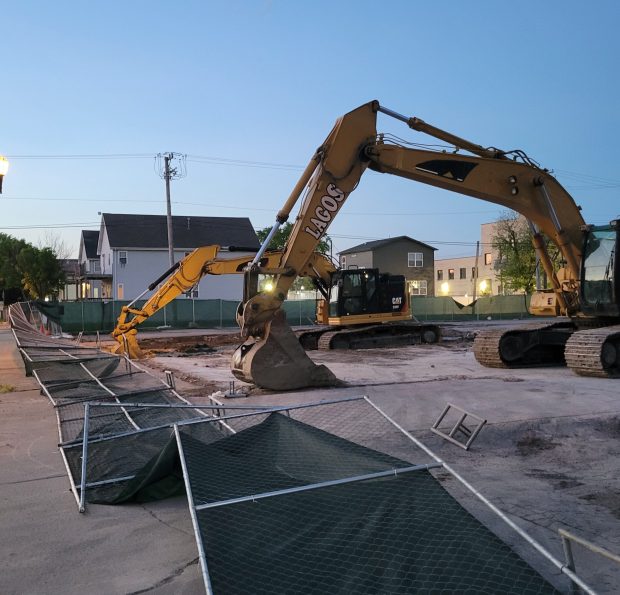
(548, 457)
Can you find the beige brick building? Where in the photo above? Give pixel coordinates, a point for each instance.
(456, 277)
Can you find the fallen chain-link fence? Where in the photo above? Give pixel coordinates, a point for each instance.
(327, 497)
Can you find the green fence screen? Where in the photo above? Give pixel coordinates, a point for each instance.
(91, 316)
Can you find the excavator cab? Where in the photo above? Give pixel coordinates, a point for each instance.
(600, 274)
(363, 292)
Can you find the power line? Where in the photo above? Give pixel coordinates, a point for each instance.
(52, 226)
(591, 182)
(86, 156)
(242, 162)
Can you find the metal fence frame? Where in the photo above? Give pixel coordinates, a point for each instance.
(216, 407)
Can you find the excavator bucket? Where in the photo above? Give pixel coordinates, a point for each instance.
(277, 361)
(127, 344)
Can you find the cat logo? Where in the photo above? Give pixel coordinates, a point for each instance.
(324, 213)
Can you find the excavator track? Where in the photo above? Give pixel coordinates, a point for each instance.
(595, 352)
(325, 340)
(379, 335)
(537, 344)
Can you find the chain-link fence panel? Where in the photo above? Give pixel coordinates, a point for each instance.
(310, 500)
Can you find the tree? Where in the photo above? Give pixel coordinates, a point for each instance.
(26, 268)
(516, 264)
(279, 241)
(42, 274)
(281, 237)
(10, 274)
(58, 246)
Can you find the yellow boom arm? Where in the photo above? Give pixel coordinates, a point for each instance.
(184, 275)
(489, 174)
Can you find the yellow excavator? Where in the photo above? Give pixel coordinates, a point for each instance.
(353, 312)
(586, 290)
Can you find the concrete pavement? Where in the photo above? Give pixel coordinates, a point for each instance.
(46, 546)
(548, 458)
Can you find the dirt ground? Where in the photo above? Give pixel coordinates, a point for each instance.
(548, 455)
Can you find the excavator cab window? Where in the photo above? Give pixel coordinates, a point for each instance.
(352, 295)
(599, 291)
(357, 291)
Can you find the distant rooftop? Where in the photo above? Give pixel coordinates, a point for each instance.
(369, 246)
(150, 231)
(91, 239)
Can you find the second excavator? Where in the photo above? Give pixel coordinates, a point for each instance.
(359, 308)
(586, 290)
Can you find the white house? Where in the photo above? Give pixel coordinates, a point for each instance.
(90, 279)
(133, 252)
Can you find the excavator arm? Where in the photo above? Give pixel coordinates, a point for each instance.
(333, 173)
(522, 187)
(185, 274)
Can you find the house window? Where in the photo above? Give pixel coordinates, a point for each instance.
(462, 273)
(487, 258)
(450, 274)
(473, 272)
(439, 275)
(414, 259)
(120, 291)
(418, 287)
(343, 262)
(122, 256)
(353, 266)
(94, 266)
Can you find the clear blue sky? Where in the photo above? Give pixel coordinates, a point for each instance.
(264, 81)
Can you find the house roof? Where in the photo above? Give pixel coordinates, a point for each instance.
(370, 246)
(150, 231)
(90, 239)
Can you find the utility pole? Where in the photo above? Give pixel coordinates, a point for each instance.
(170, 173)
(167, 158)
(475, 278)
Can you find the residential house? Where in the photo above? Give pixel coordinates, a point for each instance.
(71, 270)
(401, 255)
(458, 277)
(133, 251)
(91, 277)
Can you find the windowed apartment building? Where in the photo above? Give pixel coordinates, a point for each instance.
(458, 278)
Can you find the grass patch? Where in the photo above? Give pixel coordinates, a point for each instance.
(6, 388)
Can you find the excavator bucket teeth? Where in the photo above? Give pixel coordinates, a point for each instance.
(277, 361)
(128, 345)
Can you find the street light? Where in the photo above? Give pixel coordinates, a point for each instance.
(4, 167)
